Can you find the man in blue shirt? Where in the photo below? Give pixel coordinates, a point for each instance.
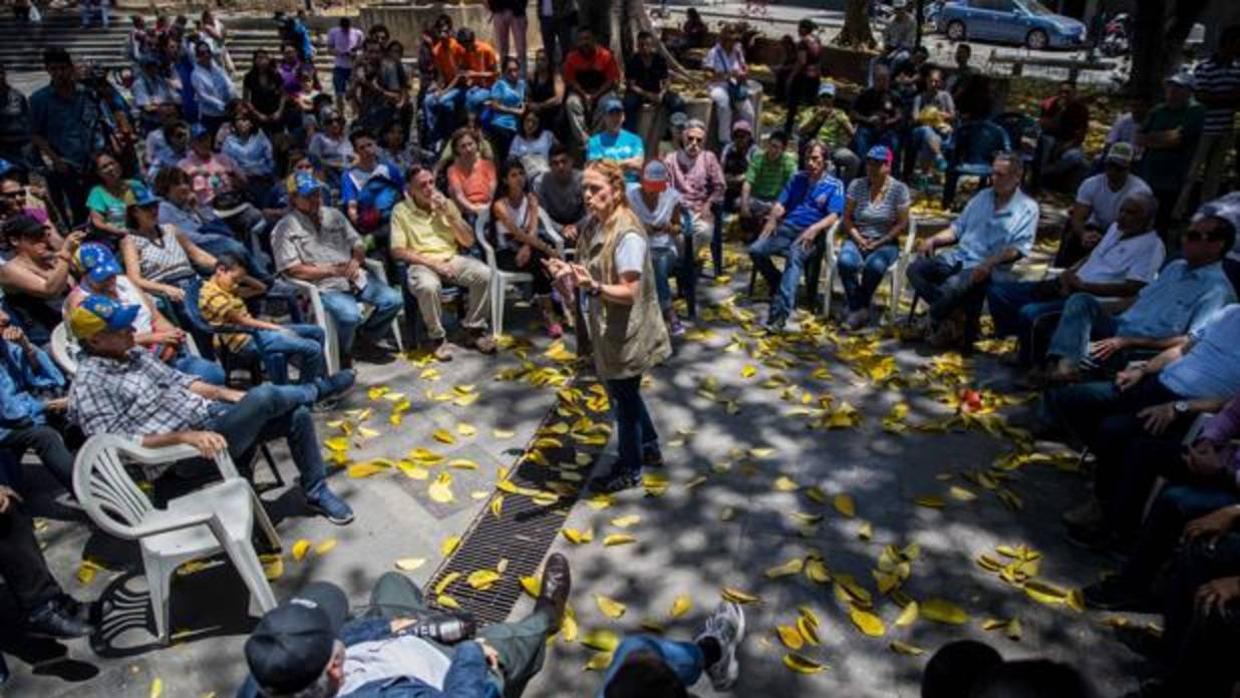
(811, 202)
(625, 148)
(370, 190)
(67, 127)
(1185, 294)
(31, 389)
(996, 228)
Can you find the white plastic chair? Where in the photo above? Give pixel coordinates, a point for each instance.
(322, 319)
(216, 518)
(895, 271)
(65, 349)
(500, 279)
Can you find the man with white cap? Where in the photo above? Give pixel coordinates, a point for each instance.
(830, 124)
(1097, 204)
(901, 30)
(1169, 137)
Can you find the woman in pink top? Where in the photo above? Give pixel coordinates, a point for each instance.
(210, 173)
(471, 178)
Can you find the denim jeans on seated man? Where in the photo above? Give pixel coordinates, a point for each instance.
(665, 262)
(1023, 309)
(441, 109)
(346, 312)
(862, 272)
(301, 345)
(783, 285)
(948, 286)
(269, 412)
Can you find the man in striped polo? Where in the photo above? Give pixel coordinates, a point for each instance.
(1217, 81)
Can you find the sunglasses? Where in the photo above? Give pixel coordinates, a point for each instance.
(1198, 236)
(694, 139)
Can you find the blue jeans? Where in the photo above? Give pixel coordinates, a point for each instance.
(208, 371)
(1083, 320)
(861, 273)
(346, 311)
(1172, 510)
(475, 97)
(685, 659)
(1016, 311)
(340, 80)
(441, 111)
(635, 433)
(783, 285)
(948, 287)
(664, 261)
(867, 137)
(269, 412)
(277, 349)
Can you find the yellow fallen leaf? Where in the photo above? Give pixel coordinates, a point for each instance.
(577, 537)
(338, 444)
(738, 596)
(790, 636)
(367, 432)
(845, 505)
(618, 539)
(601, 639)
(300, 548)
(409, 564)
(942, 611)
(482, 579)
(503, 433)
(497, 506)
(815, 493)
(790, 567)
(463, 464)
(466, 429)
(447, 602)
(909, 615)
(325, 547)
(808, 630)
(961, 494)
(785, 484)
(599, 661)
(749, 371)
(444, 436)
(761, 453)
(610, 607)
(625, 521)
(817, 571)
(273, 566)
(930, 501)
(449, 545)
(1043, 592)
(360, 470)
(157, 688)
(901, 647)
(865, 531)
(447, 580)
(802, 665)
(441, 489)
(680, 606)
(866, 622)
(532, 585)
(424, 455)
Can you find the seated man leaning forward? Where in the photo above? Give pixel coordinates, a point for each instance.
(1185, 294)
(428, 234)
(316, 244)
(1126, 259)
(128, 392)
(398, 647)
(996, 228)
(810, 203)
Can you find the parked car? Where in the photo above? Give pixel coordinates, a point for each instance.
(1027, 22)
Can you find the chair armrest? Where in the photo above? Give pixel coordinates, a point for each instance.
(316, 298)
(549, 230)
(162, 525)
(1198, 425)
(487, 251)
(910, 237)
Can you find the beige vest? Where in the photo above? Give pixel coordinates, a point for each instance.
(627, 339)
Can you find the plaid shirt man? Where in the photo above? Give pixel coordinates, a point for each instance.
(138, 397)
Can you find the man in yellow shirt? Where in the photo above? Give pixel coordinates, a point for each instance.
(428, 234)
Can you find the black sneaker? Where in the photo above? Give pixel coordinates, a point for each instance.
(775, 325)
(1114, 594)
(652, 457)
(1091, 537)
(553, 596)
(54, 620)
(616, 481)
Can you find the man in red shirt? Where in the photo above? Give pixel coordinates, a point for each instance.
(446, 96)
(590, 74)
(480, 68)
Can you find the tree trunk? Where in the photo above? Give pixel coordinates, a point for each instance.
(1158, 42)
(616, 23)
(856, 31)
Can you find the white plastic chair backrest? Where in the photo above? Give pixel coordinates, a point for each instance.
(480, 234)
(910, 236)
(548, 229)
(60, 349)
(107, 492)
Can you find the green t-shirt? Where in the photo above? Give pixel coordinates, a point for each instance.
(832, 130)
(766, 178)
(111, 208)
(1164, 169)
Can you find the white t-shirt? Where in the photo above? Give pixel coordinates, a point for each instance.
(1104, 203)
(1116, 259)
(404, 655)
(659, 216)
(631, 254)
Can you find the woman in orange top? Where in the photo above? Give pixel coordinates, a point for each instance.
(471, 178)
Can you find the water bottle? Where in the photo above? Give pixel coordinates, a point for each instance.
(447, 630)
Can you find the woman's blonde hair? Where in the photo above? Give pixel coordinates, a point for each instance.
(622, 219)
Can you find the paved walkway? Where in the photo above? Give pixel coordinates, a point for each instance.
(753, 483)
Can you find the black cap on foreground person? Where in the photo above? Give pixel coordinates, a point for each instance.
(971, 669)
(299, 647)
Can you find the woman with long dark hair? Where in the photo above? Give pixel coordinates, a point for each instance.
(518, 246)
(264, 92)
(627, 333)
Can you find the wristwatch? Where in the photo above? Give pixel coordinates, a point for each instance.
(594, 290)
(1180, 407)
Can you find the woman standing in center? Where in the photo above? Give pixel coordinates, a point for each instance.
(626, 329)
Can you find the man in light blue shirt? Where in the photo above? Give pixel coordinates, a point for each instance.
(1184, 295)
(213, 89)
(614, 143)
(996, 228)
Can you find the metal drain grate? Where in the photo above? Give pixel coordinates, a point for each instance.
(522, 534)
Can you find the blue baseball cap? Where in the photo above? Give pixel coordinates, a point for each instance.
(98, 313)
(304, 184)
(6, 167)
(611, 104)
(97, 262)
(141, 195)
(826, 89)
(197, 131)
(879, 152)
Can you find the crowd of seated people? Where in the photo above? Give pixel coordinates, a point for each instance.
(249, 194)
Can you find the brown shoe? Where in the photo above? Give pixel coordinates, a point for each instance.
(441, 350)
(484, 343)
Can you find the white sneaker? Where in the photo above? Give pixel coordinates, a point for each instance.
(727, 626)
